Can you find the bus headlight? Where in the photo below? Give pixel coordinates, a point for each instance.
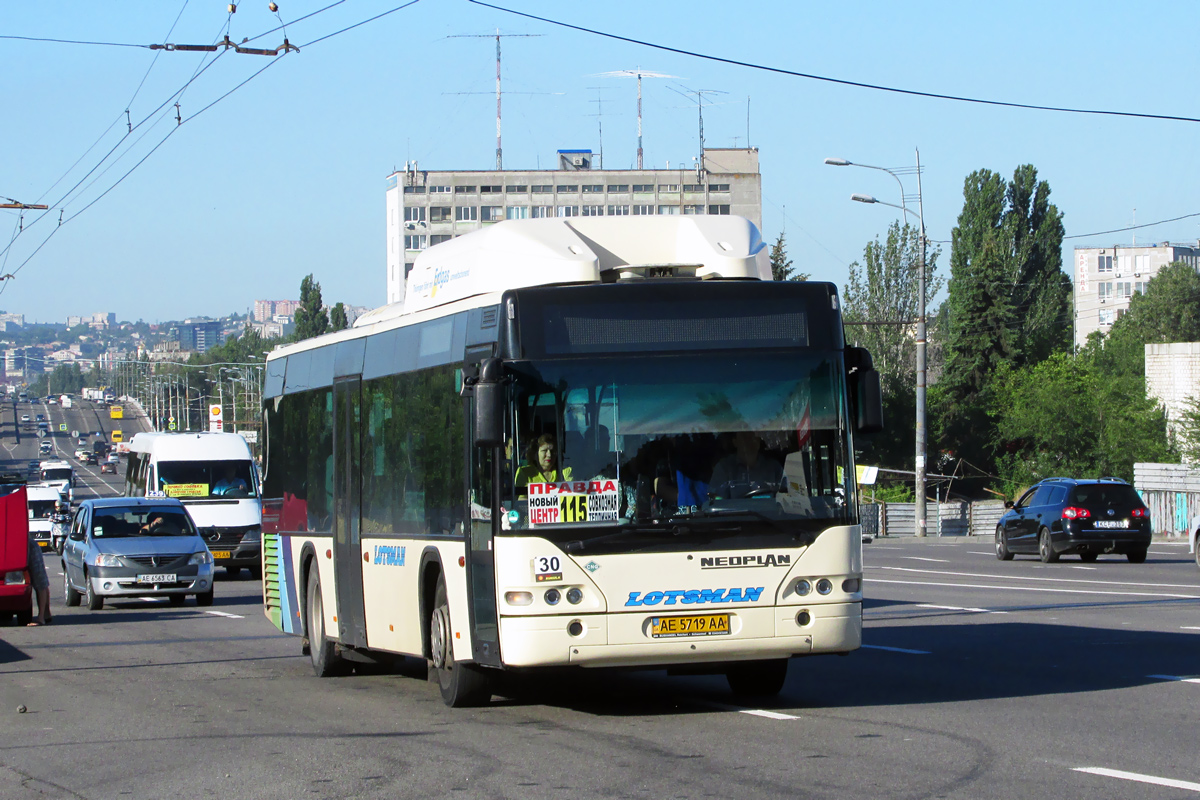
(824, 586)
(552, 597)
(519, 598)
(803, 587)
(574, 596)
(851, 585)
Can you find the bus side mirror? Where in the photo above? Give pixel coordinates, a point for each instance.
(489, 404)
(866, 390)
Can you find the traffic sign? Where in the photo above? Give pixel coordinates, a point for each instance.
(62, 426)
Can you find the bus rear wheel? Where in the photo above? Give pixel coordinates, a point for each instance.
(325, 660)
(462, 685)
(757, 678)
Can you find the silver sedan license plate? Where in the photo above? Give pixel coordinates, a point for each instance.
(161, 577)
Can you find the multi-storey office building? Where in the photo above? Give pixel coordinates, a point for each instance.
(426, 207)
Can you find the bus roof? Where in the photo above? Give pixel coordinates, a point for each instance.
(192, 446)
(475, 269)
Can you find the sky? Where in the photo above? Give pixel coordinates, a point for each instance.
(278, 169)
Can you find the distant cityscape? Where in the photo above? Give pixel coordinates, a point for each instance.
(99, 340)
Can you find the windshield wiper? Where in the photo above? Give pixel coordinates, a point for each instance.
(729, 513)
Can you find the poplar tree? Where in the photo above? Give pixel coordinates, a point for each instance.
(310, 319)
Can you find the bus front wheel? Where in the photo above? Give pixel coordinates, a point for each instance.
(461, 684)
(325, 660)
(757, 678)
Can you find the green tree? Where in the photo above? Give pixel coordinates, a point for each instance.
(310, 319)
(881, 306)
(337, 318)
(1009, 300)
(1065, 416)
(1189, 431)
(781, 265)
(1169, 311)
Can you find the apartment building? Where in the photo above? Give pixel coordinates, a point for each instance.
(1106, 278)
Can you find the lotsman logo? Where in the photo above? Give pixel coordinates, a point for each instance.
(694, 596)
(389, 555)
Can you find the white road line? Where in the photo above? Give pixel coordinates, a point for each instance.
(754, 712)
(1037, 589)
(1190, 628)
(896, 650)
(937, 560)
(1134, 776)
(223, 614)
(1178, 678)
(1076, 566)
(961, 608)
(981, 553)
(1033, 578)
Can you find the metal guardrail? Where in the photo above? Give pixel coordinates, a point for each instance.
(947, 519)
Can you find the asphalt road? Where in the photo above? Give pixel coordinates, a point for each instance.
(978, 679)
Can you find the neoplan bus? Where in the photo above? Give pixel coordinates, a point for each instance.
(589, 442)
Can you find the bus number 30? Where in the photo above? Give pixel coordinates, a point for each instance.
(547, 564)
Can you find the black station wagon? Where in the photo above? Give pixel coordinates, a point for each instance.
(1065, 515)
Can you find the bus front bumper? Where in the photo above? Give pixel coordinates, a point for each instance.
(608, 640)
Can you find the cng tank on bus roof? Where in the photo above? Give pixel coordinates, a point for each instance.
(537, 252)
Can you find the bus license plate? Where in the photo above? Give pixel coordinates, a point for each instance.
(682, 627)
(162, 577)
(221, 554)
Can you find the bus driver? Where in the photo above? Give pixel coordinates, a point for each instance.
(745, 471)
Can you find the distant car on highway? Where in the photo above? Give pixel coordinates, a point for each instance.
(132, 547)
(108, 466)
(40, 418)
(1059, 516)
(46, 446)
(90, 459)
(25, 418)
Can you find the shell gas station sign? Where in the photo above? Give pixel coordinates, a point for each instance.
(215, 423)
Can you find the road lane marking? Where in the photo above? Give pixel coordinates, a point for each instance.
(1179, 678)
(1190, 628)
(1037, 589)
(1134, 776)
(1034, 578)
(981, 552)
(896, 650)
(936, 560)
(961, 608)
(758, 712)
(223, 614)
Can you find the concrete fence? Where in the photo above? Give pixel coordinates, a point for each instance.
(942, 519)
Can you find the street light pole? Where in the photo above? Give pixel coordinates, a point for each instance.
(920, 433)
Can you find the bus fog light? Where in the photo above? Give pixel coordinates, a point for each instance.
(552, 597)
(519, 598)
(824, 586)
(803, 618)
(575, 628)
(574, 596)
(803, 587)
(851, 585)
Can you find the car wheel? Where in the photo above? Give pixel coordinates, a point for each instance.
(176, 599)
(461, 684)
(1045, 548)
(94, 601)
(321, 651)
(1002, 551)
(205, 598)
(1087, 556)
(757, 678)
(70, 596)
(1136, 556)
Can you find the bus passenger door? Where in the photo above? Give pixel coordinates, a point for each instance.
(347, 544)
(483, 504)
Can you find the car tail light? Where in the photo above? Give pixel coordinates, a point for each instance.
(1141, 512)
(1071, 512)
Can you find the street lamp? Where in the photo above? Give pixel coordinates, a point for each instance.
(921, 523)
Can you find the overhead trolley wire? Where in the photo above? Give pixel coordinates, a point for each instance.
(839, 81)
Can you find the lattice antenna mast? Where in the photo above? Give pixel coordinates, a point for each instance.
(638, 73)
(699, 94)
(497, 36)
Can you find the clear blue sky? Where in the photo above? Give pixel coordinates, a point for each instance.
(286, 176)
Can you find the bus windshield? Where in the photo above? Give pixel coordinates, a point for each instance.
(206, 479)
(702, 444)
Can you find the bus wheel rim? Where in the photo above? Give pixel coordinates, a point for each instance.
(439, 638)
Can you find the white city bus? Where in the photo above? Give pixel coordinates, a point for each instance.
(580, 442)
